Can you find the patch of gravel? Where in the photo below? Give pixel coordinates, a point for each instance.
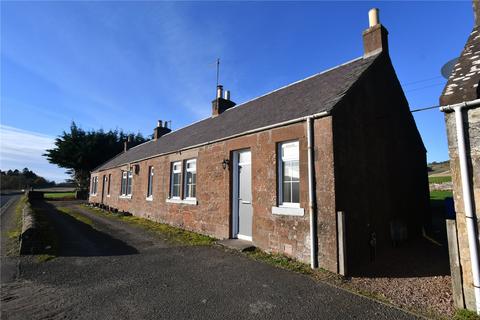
(414, 276)
(428, 295)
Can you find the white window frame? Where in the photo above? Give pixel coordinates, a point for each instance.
(151, 173)
(176, 170)
(93, 191)
(281, 160)
(129, 183)
(185, 185)
(126, 184)
(123, 184)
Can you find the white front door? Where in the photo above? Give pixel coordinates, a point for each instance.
(242, 195)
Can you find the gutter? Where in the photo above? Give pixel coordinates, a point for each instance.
(467, 196)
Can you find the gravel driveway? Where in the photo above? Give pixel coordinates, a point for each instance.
(118, 271)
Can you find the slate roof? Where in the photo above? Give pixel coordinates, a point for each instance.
(318, 93)
(462, 85)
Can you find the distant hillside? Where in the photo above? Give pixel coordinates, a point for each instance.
(439, 168)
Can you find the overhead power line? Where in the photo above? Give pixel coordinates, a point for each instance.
(419, 81)
(425, 87)
(423, 109)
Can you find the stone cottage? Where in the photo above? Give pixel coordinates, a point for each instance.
(318, 170)
(462, 117)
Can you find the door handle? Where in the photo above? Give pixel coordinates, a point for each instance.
(246, 202)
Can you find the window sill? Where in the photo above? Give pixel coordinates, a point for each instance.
(150, 198)
(125, 197)
(108, 196)
(182, 201)
(288, 211)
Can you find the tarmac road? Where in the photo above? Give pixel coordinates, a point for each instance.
(118, 271)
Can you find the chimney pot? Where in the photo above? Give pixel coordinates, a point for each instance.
(219, 91)
(159, 123)
(226, 95)
(373, 17)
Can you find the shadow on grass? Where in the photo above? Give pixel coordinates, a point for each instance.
(76, 238)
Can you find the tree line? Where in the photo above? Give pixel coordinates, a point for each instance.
(25, 179)
(80, 151)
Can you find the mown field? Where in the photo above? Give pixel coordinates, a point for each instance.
(439, 179)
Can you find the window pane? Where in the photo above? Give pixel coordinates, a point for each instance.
(295, 170)
(150, 182)
(290, 151)
(295, 192)
(287, 172)
(129, 183)
(287, 192)
(124, 183)
(176, 190)
(190, 178)
(176, 178)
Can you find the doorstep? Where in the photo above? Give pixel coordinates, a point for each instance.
(237, 244)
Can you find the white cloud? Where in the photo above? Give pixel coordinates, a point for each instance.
(21, 148)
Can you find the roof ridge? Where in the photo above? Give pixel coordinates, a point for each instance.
(298, 81)
(211, 129)
(266, 94)
(119, 154)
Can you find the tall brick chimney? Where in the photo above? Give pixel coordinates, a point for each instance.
(126, 143)
(220, 104)
(161, 129)
(375, 38)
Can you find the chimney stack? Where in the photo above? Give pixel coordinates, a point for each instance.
(375, 38)
(222, 102)
(161, 129)
(126, 143)
(476, 12)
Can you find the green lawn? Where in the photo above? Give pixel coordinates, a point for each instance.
(440, 179)
(59, 195)
(440, 195)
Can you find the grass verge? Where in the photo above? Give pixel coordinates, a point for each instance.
(13, 235)
(319, 274)
(466, 315)
(279, 261)
(59, 196)
(166, 232)
(48, 242)
(76, 215)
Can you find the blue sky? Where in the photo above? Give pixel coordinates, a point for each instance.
(126, 64)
